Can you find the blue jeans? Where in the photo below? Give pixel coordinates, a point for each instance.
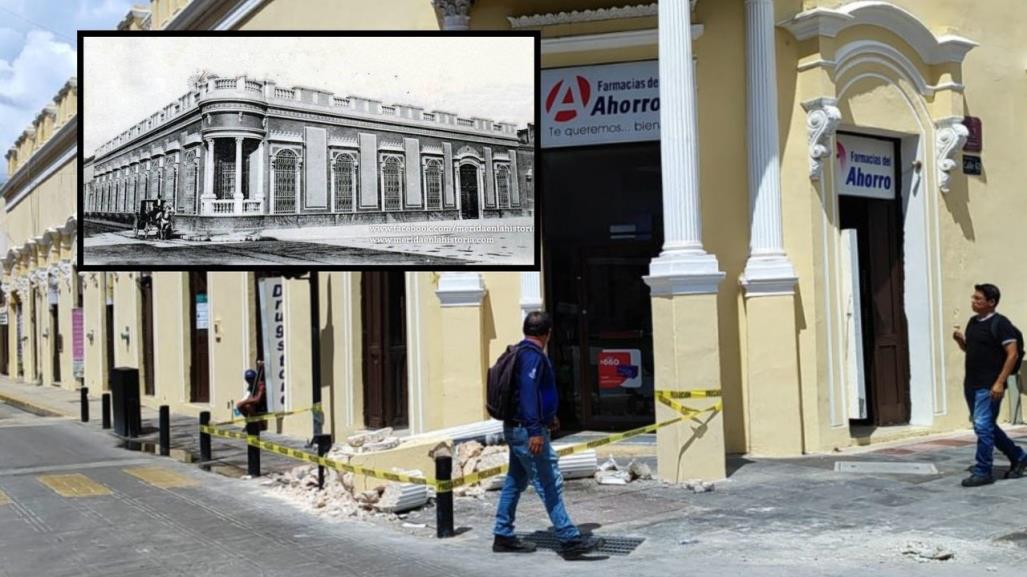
(523, 467)
(984, 411)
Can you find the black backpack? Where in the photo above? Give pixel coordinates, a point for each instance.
(501, 390)
(1019, 343)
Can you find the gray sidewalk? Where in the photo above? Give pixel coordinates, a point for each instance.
(769, 517)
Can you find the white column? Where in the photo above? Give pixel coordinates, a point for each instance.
(208, 179)
(455, 13)
(260, 176)
(531, 292)
(237, 196)
(683, 267)
(768, 270)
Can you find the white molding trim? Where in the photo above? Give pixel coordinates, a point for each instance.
(576, 16)
(822, 119)
(862, 51)
(949, 137)
(608, 40)
(695, 272)
(460, 289)
(27, 189)
(830, 22)
(238, 14)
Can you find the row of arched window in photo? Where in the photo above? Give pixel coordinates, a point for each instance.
(118, 194)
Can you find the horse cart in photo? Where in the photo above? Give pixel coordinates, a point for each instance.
(154, 217)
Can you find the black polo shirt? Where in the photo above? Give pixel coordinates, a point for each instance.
(985, 349)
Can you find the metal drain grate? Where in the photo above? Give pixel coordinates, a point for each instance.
(612, 545)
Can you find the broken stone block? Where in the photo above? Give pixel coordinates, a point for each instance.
(383, 445)
(468, 450)
(698, 486)
(639, 470)
(613, 477)
(610, 465)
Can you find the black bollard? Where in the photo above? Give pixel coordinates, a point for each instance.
(205, 441)
(444, 499)
(85, 404)
(105, 413)
(324, 444)
(165, 431)
(252, 452)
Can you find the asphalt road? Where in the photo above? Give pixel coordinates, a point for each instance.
(73, 503)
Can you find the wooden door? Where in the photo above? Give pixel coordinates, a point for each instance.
(885, 340)
(468, 191)
(55, 331)
(199, 372)
(384, 336)
(146, 294)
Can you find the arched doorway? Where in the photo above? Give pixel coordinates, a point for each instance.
(468, 191)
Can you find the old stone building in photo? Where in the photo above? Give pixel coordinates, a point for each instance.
(241, 153)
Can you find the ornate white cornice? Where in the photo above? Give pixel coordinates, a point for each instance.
(466, 151)
(829, 22)
(431, 149)
(7, 288)
(822, 119)
(578, 16)
(453, 7)
(684, 273)
(344, 141)
(460, 289)
(949, 137)
(22, 285)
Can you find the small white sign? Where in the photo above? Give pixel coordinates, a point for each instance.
(601, 104)
(201, 312)
(866, 167)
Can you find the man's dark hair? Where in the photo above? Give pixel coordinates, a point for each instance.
(537, 324)
(990, 292)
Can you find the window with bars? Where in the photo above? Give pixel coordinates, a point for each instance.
(433, 183)
(285, 170)
(190, 184)
(503, 185)
(225, 176)
(154, 183)
(170, 183)
(344, 181)
(392, 181)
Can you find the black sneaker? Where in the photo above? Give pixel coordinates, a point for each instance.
(511, 545)
(1016, 471)
(977, 481)
(581, 545)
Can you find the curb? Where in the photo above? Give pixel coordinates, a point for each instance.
(31, 407)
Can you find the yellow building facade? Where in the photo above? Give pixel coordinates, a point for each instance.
(40, 287)
(802, 231)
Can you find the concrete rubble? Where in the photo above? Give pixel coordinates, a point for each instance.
(338, 499)
(924, 552)
(613, 473)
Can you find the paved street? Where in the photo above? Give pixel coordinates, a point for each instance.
(125, 513)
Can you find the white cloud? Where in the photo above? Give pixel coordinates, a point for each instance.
(29, 82)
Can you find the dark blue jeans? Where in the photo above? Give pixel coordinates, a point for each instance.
(523, 467)
(984, 411)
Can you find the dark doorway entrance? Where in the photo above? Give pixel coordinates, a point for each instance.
(385, 349)
(199, 370)
(146, 294)
(602, 339)
(878, 226)
(5, 353)
(109, 323)
(55, 332)
(468, 191)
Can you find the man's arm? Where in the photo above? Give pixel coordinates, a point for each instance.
(999, 388)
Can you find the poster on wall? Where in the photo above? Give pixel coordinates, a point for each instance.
(589, 105)
(272, 319)
(620, 368)
(866, 167)
(78, 350)
(201, 312)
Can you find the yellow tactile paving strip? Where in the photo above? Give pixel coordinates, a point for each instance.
(161, 477)
(3, 498)
(74, 485)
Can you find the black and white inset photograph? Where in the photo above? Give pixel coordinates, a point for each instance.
(246, 152)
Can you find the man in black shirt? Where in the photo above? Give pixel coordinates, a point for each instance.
(991, 352)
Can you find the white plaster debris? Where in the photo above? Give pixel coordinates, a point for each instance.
(924, 552)
(699, 486)
(613, 473)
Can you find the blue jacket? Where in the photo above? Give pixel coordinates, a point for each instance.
(537, 387)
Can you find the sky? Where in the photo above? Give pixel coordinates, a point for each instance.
(37, 54)
(125, 79)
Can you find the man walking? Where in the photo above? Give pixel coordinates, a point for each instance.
(527, 435)
(991, 351)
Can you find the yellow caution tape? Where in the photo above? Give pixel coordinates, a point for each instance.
(315, 408)
(665, 397)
